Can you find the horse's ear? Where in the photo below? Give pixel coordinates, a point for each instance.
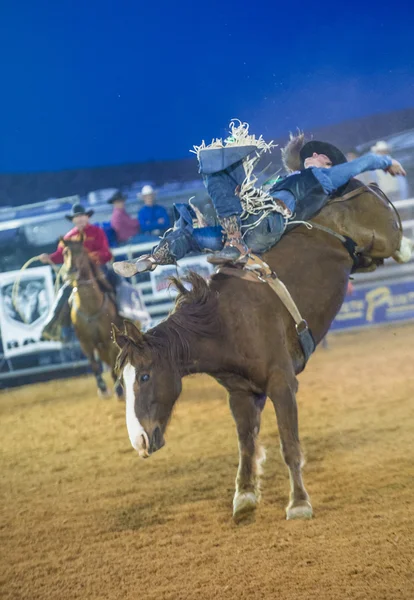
(120, 339)
(82, 237)
(133, 333)
(62, 241)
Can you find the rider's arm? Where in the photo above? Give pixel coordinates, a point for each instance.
(333, 178)
(57, 256)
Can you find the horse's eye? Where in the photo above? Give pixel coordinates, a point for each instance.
(144, 377)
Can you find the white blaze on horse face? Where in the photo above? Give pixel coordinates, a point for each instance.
(136, 432)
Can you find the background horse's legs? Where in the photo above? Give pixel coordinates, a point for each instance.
(246, 408)
(96, 367)
(282, 390)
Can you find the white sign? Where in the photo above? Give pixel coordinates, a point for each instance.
(132, 305)
(161, 285)
(21, 324)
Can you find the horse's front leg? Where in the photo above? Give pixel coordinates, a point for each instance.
(96, 367)
(246, 409)
(282, 390)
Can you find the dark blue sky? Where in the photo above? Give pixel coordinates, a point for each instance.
(97, 83)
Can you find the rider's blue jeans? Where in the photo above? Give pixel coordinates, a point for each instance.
(184, 238)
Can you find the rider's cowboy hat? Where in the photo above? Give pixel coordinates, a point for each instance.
(77, 211)
(116, 196)
(332, 152)
(297, 150)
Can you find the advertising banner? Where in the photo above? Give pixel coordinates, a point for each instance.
(161, 286)
(21, 322)
(376, 304)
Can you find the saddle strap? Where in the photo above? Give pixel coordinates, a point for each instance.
(265, 274)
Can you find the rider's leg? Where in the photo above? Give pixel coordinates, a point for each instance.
(174, 245)
(223, 188)
(50, 329)
(266, 234)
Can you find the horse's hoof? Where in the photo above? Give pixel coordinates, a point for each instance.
(243, 505)
(105, 394)
(299, 511)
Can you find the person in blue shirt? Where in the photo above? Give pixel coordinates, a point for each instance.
(251, 218)
(153, 218)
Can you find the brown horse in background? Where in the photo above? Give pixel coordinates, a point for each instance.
(92, 313)
(240, 333)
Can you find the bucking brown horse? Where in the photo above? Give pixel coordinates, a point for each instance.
(240, 333)
(93, 311)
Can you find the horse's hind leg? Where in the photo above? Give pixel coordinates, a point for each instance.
(282, 391)
(246, 409)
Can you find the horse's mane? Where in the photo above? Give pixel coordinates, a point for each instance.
(195, 315)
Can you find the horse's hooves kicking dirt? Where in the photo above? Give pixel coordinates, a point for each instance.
(105, 394)
(243, 505)
(301, 511)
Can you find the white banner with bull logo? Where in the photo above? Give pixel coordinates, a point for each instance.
(161, 286)
(23, 313)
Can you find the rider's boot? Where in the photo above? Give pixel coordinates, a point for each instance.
(161, 255)
(235, 249)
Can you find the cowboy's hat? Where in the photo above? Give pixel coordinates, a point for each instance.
(116, 197)
(297, 150)
(381, 146)
(147, 190)
(332, 152)
(77, 211)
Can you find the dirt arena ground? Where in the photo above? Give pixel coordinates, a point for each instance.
(84, 517)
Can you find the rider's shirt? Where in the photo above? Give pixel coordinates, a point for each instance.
(95, 242)
(305, 192)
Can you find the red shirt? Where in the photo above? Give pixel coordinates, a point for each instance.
(96, 243)
(123, 225)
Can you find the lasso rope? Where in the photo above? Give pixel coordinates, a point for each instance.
(16, 284)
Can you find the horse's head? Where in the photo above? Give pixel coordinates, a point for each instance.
(370, 220)
(152, 386)
(75, 258)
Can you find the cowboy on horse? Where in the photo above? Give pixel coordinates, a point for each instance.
(252, 218)
(96, 244)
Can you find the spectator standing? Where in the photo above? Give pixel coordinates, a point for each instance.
(153, 218)
(122, 223)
